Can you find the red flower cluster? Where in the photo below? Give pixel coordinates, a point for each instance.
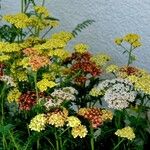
(94, 115)
(82, 62)
(28, 100)
(129, 70)
(1, 69)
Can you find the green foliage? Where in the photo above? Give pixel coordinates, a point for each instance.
(82, 26)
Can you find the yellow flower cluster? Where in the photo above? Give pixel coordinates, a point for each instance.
(101, 59)
(112, 69)
(57, 118)
(8, 48)
(48, 76)
(44, 84)
(13, 95)
(95, 92)
(4, 58)
(141, 83)
(106, 115)
(81, 48)
(126, 132)
(22, 76)
(73, 121)
(41, 10)
(61, 53)
(50, 44)
(19, 20)
(38, 123)
(63, 35)
(131, 38)
(80, 131)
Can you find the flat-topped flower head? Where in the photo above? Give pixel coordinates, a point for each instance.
(126, 132)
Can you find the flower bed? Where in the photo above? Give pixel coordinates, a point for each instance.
(53, 98)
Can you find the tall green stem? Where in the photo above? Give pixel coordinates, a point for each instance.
(92, 137)
(35, 82)
(57, 141)
(129, 58)
(118, 144)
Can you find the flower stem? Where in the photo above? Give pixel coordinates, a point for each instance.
(57, 142)
(129, 58)
(35, 82)
(118, 144)
(92, 138)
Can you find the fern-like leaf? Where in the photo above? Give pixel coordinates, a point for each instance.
(82, 26)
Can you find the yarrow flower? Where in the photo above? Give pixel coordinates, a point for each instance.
(73, 121)
(94, 115)
(44, 84)
(118, 93)
(37, 62)
(95, 92)
(57, 117)
(80, 131)
(126, 132)
(38, 123)
(9, 80)
(81, 48)
(41, 10)
(100, 59)
(13, 95)
(112, 69)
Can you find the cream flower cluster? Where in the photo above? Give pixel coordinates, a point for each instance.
(59, 96)
(9, 80)
(118, 93)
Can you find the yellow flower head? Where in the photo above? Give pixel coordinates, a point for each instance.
(118, 41)
(106, 115)
(80, 131)
(100, 59)
(73, 121)
(126, 132)
(41, 10)
(112, 69)
(19, 20)
(38, 123)
(57, 118)
(131, 38)
(13, 95)
(44, 84)
(95, 92)
(4, 58)
(81, 48)
(63, 35)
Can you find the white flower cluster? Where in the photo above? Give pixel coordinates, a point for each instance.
(9, 80)
(61, 95)
(118, 93)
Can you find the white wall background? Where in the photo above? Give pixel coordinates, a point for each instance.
(113, 18)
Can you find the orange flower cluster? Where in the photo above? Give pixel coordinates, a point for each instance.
(94, 115)
(29, 51)
(37, 62)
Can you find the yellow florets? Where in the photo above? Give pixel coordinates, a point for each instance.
(101, 59)
(4, 58)
(44, 84)
(41, 10)
(126, 132)
(61, 53)
(95, 92)
(13, 95)
(63, 35)
(106, 115)
(118, 41)
(22, 76)
(19, 20)
(73, 121)
(8, 48)
(48, 76)
(57, 118)
(81, 48)
(38, 123)
(112, 69)
(80, 131)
